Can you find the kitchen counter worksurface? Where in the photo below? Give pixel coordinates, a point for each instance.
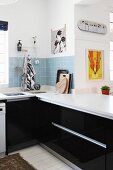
(95, 104)
(6, 97)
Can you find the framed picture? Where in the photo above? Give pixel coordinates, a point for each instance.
(58, 40)
(94, 59)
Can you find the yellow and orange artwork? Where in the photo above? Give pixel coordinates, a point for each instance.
(95, 65)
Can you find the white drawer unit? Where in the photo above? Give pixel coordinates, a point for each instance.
(2, 129)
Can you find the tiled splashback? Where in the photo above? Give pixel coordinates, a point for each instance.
(55, 63)
(16, 69)
(46, 70)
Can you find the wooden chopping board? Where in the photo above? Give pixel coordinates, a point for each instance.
(62, 85)
(67, 76)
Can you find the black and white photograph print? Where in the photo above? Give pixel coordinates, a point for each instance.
(58, 40)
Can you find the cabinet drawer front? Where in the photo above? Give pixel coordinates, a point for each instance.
(80, 135)
(93, 129)
(84, 152)
(89, 125)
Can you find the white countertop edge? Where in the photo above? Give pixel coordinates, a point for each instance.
(92, 112)
(44, 97)
(5, 97)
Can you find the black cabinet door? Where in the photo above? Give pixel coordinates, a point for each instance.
(101, 129)
(57, 122)
(20, 123)
(90, 125)
(47, 113)
(84, 152)
(109, 141)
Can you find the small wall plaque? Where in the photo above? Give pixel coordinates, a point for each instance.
(93, 27)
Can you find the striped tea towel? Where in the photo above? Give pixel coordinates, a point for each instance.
(28, 80)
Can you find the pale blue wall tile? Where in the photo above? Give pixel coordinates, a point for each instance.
(55, 63)
(46, 70)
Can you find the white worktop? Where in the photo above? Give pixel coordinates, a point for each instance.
(95, 104)
(5, 97)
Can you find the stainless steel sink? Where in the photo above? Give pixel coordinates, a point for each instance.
(13, 94)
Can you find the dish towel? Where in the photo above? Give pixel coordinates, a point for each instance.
(28, 79)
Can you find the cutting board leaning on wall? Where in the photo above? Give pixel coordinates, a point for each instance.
(62, 86)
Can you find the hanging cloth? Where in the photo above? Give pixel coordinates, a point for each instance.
(28, 79)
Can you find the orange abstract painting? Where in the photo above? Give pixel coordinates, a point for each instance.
(95, 64)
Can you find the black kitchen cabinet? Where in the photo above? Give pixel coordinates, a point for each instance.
(48, 113)
(84, 154)
(71, 134)
(84, 139)
(109, 141)
(20, 123)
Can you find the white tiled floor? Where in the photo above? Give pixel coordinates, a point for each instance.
(42, 159)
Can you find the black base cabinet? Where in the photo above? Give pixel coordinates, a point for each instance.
(84, 154)
(20, 124)
(84, 139)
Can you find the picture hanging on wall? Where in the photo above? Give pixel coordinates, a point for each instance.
(94, 64)
(93, 27)
(58, 40)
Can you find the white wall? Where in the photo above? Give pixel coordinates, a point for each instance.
(85, 40)
(61, 12)
(37, 17)
(26, 18)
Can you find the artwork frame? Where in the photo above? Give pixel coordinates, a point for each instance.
(94, 61)
(58, 40)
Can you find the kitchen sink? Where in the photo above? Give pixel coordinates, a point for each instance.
(13, 94)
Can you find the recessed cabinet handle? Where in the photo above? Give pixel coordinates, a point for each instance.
(79, 135)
